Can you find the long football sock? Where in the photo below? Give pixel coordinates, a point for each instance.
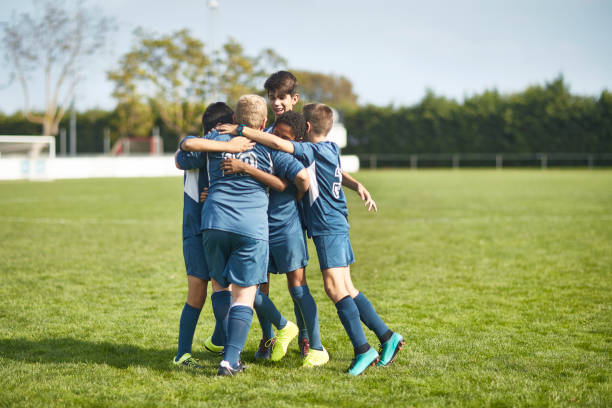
(369, 317)
(301, 295)
(349, 316)
(265, 308)
(238, 325)
(187, 326)
(221, 303)
(299, 320)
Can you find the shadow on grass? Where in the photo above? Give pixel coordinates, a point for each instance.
(68, 350)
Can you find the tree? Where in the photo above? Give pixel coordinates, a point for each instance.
(179, 77)
(242, 74)
(58, 41)
(330, 89)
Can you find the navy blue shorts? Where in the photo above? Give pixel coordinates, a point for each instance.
(195, 262)
(235, 258)
(289, 254)
(334, 251)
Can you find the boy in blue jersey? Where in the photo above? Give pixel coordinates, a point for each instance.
(289, 256)
(326, 219)
(282, 91)
(195, 181)
(235, 227)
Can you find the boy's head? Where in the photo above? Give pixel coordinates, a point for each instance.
(290, 126)
(281, 87)
(319, 118)
(215, 114)
(251, 111)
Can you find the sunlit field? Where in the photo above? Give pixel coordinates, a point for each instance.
(500, 282)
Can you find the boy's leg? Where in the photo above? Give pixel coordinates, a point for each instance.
(390, 342)
(368, 315)
(334, 280)
(196, 295)
(221, 301)
(267, 331)
(300, 293)
(240, 317)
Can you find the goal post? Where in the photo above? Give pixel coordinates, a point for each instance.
(26, 157)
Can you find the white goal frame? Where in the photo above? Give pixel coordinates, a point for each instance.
(22, 157)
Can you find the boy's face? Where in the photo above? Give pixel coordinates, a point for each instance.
(284, 131)
(282, 103)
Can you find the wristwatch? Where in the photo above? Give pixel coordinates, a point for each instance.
(239, 130)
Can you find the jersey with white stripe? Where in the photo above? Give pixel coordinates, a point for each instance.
(324, 206)
(237, 202)
(195, 180)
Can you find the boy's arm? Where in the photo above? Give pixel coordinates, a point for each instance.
(188, 160)
(266, 139)
(302, 182)
(233, 166)
(198, 144)
(354, 185)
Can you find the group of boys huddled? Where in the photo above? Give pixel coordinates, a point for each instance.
(251, 195)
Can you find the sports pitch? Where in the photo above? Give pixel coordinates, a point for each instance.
(500, 282)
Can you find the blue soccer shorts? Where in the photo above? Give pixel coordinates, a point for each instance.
(288, 254)
(195, 262)
(234, 258)
(334, 251)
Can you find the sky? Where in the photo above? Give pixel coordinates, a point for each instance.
(391, 50)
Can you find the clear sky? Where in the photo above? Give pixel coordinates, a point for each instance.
(391, 50)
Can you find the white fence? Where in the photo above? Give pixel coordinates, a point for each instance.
(498, 160)
(42, 168)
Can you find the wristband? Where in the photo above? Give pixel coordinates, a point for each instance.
(239, 130)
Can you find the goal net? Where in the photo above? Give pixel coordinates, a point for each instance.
(26, 157)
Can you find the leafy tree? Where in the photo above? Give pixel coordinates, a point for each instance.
(57, 41)
(333, 90)
(241, 74)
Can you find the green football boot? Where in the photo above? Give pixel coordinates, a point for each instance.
(283, 338)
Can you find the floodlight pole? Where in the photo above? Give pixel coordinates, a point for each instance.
(73, 130)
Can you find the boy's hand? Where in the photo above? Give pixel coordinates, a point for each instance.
(240, 144)
(365, 196)
(204, 194)
(233, 166)
(227, 129)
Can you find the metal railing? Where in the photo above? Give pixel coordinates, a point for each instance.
(498, 160)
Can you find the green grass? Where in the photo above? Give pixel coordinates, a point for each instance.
(500, 281)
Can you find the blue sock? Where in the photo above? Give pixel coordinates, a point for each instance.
(369, 317)
(265, 309)
(302, 297)
(349, 316)
(187, 326)
(221, 302)
(299, 320)
(238, 325)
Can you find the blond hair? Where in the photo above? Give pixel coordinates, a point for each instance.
(251, 110)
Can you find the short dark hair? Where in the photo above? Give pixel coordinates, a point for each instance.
(320, 116)
(218, 112)
(296, 122)
(282, 82)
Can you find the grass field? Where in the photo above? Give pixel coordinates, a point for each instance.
(500, 282)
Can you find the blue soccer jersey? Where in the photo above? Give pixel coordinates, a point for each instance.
(324, 206)
(195, 180)
(283, 215)
(237, 202)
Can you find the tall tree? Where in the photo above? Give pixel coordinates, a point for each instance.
(172, 70)
(57, 40)
(326, 88)
(180, 77)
